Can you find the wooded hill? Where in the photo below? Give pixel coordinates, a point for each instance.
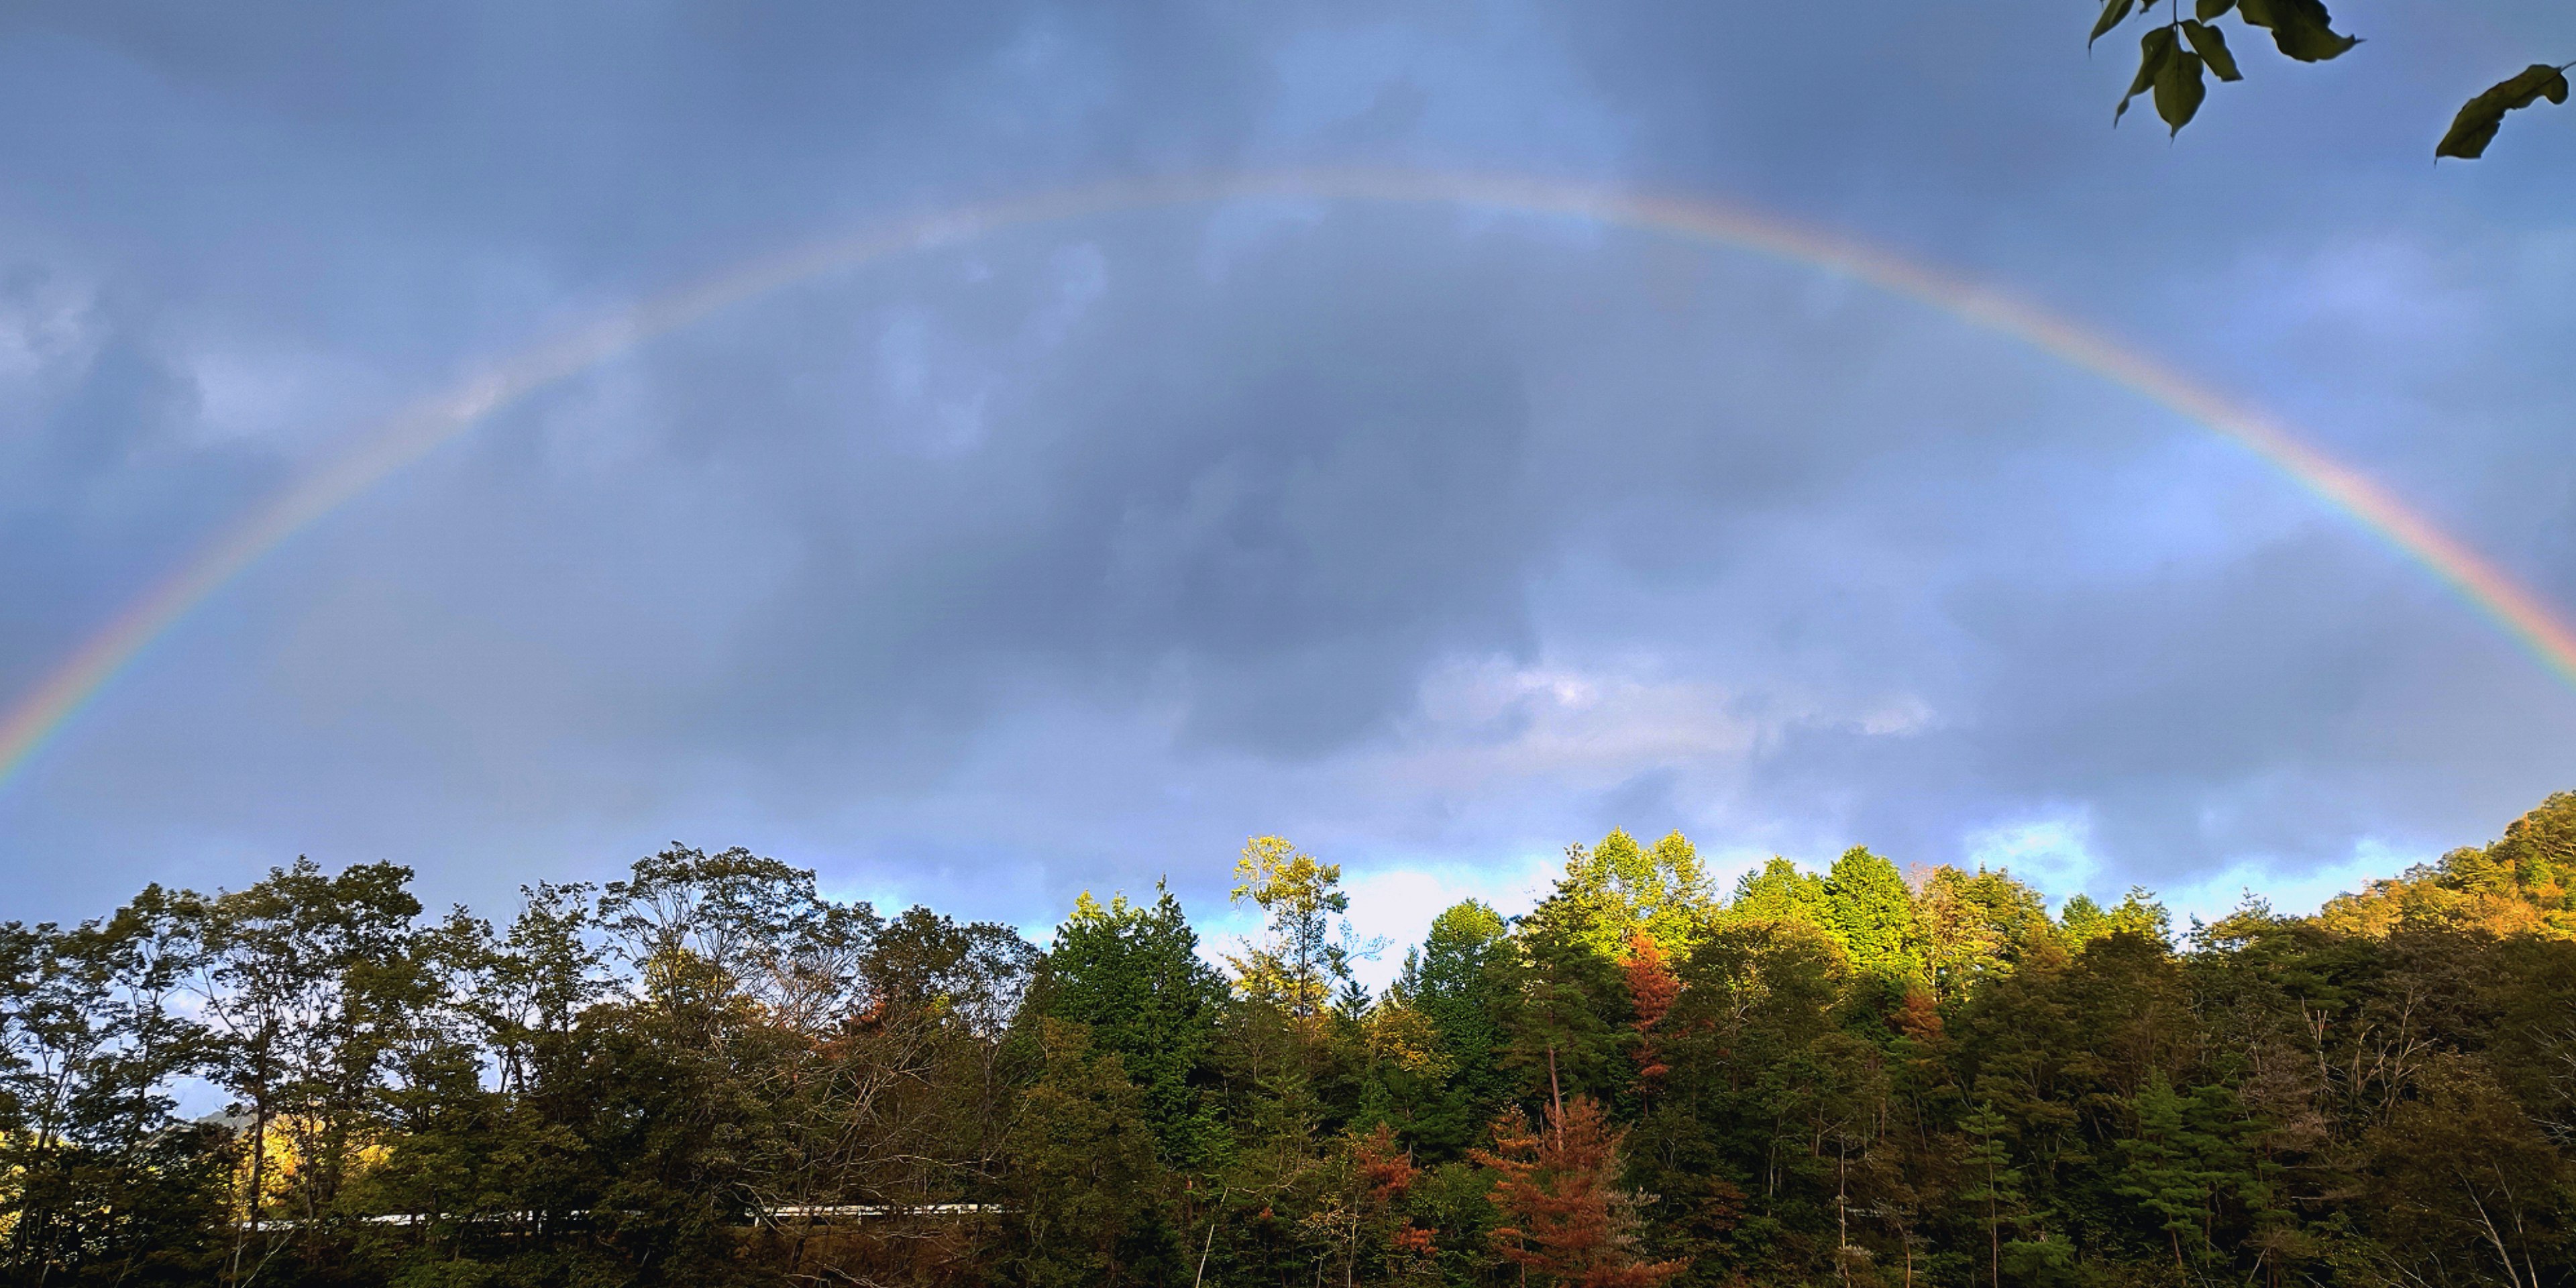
(708, 1073)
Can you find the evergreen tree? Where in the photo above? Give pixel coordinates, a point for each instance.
(1993, 1188)
(2083, 921)
(1132, 974)
(1086, 1194)
(1778, 891)
(1565, 1221)
(1461, 982)
(1871, 912)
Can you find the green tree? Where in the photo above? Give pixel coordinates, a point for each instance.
(1299, 960)
(2082, 920)
(1977, 926)
(2189, 1166)
(1085, 1187)
(1871, 912)
(1461, 981)
(1132, 974)
(1779, 891)
(310, 984)
(1618, 889)
(706, 932)
(1565, 1017)
(1756, 1082)
(2459, 1180)
(1993, 1188)
(107, 1186)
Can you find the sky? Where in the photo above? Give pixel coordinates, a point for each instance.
(1066, 556)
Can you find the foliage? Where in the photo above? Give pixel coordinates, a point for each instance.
(1299, 961)
(1133, 976)
(1565, 1219)
(710, 1072)
(1618, 890)
(2176, 55)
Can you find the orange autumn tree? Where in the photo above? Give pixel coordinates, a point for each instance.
(1565, 1219)
(1361, 1217)
(1387, 1171)
(1652, 988)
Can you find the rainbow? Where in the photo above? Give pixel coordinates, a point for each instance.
(420, 429)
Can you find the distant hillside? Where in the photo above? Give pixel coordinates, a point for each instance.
(2522, 884)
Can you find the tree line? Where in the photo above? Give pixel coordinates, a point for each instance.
(709, 1072)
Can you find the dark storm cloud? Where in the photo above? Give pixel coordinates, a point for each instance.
(1297, 506)
(1072, 554)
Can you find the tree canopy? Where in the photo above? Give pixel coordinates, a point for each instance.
(711, 1072)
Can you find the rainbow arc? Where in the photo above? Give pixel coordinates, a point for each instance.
(43, 711)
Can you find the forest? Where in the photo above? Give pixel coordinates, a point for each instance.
(709, 1073)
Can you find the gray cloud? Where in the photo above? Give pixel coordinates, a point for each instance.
(1069, 556)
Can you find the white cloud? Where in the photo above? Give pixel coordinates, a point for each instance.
(1397, 904)
(2052, 852)
(1483, 720)
(2291, 890)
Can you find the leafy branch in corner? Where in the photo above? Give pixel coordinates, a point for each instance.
(2172, 56)
(2175, 56)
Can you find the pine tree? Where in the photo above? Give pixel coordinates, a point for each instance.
(2161, 1176)
(1870, 910)
(1994, 1186)
(1652, 989)
(1564, 1218)
(1133, 974)
(1461, 982)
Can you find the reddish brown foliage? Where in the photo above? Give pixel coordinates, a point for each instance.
(1652, 987)
(1387, 1169)
(1917, 1017)
(1564, 1218)
(1385, 1166)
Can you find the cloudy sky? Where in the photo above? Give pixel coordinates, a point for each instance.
(1069, 555)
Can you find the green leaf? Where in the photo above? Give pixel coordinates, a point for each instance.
(2208, 9)
(2478, 120)
(2114, 12)
(2211, 44)
(2301, 29)
(2153, 49)
(2179, 89)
